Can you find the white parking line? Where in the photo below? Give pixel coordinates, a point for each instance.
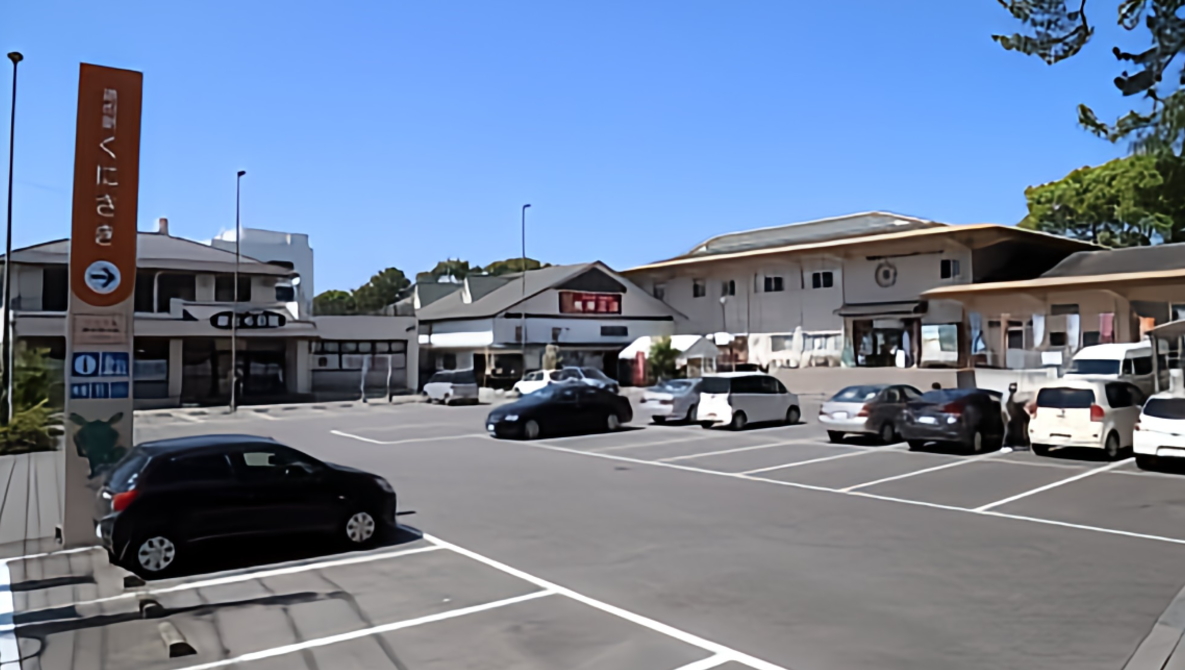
(407, 441)
(1054, 485)
(861, 494)
(264, 415)
(10, 652)
(366, 632)
(786, 443)
(714, 661)
(727, 653)
(821, 459)
(936, 468)
(618, 447)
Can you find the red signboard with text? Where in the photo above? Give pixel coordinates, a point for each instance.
(573, 302)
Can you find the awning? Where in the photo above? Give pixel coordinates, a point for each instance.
(689, 346)
(1168, 331)
(876, 309)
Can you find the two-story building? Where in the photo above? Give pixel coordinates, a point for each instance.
(500, 326)
(184, 302)
(845, 290)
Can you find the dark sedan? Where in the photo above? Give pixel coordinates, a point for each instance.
(972, 419)
(165, 496)
(559, 409)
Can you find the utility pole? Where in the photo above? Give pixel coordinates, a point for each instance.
(234, 318)
(9, 323)
(522, 308)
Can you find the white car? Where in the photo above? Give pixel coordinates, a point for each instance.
(1085, 413)
(1128, 362)
(452, 386)
(672, 400)
(737, 399)
(1160, 432)
(533, 381)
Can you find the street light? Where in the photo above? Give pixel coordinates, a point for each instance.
(724, 328)
(234, 318)
(8, 326)
(522, 308)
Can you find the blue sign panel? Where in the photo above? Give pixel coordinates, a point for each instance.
(114, 364)
(100, 390)
(85, 363)
(80, 390)
(119, 389)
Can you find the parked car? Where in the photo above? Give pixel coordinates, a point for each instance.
(969, 418)
(166, 496)
(737, 399)
(672, 400)
(873, 409)
(1129, 362)
(452, 386)
(1085, 413)
(1160, 430)
(537, 379)
(562, 408)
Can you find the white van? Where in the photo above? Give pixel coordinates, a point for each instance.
(452, 386)
(739, 398)
(1130, 362)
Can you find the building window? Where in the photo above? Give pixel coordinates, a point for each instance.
(614, 331)
(1061, 310)
(1057, 339)
(285, 293)
(145, 282)
(555, 334)
(774, 284)
(699, 288)
(169, 286)
(55, 288)
(728, 287)
(822, 279)
(660, 291)
(518, 333)
(224, 288)
(949, 268)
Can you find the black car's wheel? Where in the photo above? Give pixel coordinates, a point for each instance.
(916, 445)
(1145, 461)
(612, 422)
(658, 419)
(888, 434)
(1040, 449)
(739, 421)
(531, 429)
(153, 554)
(706, 424)
(1111, 447)
(793, 415)
(835, 436)
(360, 529)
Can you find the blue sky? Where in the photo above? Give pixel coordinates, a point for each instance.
(401, 133)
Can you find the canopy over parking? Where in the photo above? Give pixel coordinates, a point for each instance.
(1167, 341)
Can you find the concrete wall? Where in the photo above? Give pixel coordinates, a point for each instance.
(916, 274)
(578, 329)
(828, 381)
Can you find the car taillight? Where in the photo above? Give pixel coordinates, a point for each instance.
(1096, 413)
(953, 408)
(121, 500)
(863, 411)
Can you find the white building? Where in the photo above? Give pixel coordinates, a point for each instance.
(289, 250)
(184, 298)
(851, 282)
(588, 311)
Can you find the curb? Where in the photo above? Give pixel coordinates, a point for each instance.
(1157, 649)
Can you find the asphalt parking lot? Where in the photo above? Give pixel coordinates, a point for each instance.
(654, 547)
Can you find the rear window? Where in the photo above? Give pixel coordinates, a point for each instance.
(716, 385)
(1166, 408)
(464, 377)
(1092, 366)
(1142, 365)
(857, 394)
(596, 374)
(127, 471)
(441, 378)
(677, 385)
(1062, 398)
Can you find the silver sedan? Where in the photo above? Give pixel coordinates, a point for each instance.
(673, 400)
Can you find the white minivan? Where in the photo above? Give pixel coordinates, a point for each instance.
(1130, 362)
(739, 398)
(452, 386)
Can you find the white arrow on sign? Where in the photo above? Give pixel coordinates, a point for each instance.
(102, 277)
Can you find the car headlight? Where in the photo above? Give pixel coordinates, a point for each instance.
(384, 485)
(510, 417)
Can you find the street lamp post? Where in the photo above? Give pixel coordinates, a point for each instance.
(234, 318)
(724, 328)
(8, 326)
(522, 308)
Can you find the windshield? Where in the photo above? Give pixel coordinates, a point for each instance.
(1166, 408)
(1063, 398)
(1093, 366)
(676, 385)
(857, 394)
(593, 373)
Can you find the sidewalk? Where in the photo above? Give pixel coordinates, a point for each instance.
(31, 496)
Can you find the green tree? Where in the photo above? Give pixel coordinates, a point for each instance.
(333, 303)
(1126, 202)
(454, 270)
(384, 288)
(34, 425)
(663, 357)
(1059, 29)
(512, 265)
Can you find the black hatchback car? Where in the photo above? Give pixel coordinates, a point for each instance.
(567, 407)
(164, 496)
(969, 418)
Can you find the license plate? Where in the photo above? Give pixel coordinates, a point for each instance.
(839, 415)
(927, 419)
